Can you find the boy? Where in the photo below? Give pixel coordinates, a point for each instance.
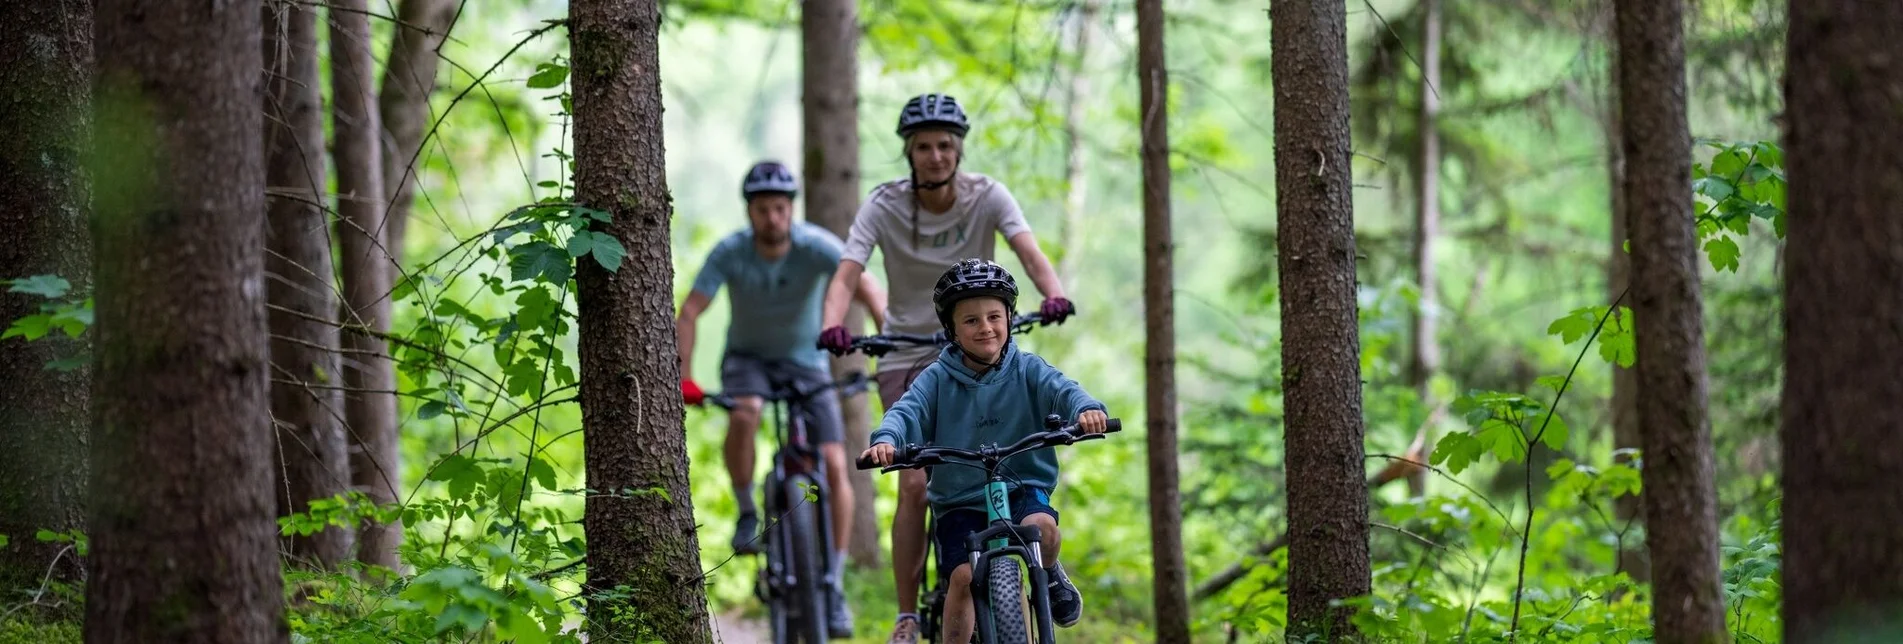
(983, 389)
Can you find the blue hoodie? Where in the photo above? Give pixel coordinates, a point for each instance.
(950, 405)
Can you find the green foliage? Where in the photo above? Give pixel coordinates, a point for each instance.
(1743, 181)
(69, 313)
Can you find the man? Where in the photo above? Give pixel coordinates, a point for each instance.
(924, 224)
(777, 270)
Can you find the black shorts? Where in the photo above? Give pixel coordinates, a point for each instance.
(949, 529)
(742, 374)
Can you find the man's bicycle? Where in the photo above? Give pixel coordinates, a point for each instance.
(799, 533)
(997, 579)
(932, 596)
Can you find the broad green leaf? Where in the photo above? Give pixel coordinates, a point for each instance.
(1715, 187)
(1724, 253)
(1560, 468)
(535, 307)
(548, 75)
(1729, 163)
(542, 472)
(1551, 382)
(47, 286)
(1574, 325)
(431, 409)
(608, 252)
(580, 243)
(539, 259)
(31, 327)
(1556, 432)
(1457, 450)
(1618, 348)
(1503, 439)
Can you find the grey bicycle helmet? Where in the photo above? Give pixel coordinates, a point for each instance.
(933, 111)
(769, 177)
(969, 278)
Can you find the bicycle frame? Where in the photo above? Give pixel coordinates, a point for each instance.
(1002, 537)
(795, 459)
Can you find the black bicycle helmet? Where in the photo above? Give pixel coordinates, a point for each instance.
(932, 111)
(769, 177)
(969, 278)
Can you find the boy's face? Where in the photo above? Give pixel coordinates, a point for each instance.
(979, 324)
(771, 216)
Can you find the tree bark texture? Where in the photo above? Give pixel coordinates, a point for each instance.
(1680, 499)
(310, 451)
(1628, 509)
(1170, 574)
(1076, 183)
(1424, 358)
(403, 105)
(1321, 379)
(1843, 557)
(46, 63)
(634, 435)
(829, 97)
(367, 269)
(181, 521)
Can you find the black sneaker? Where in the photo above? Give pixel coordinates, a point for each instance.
(1066, 604)
(839, 618)
(745, 533)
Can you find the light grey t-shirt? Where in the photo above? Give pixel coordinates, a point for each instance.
(916, 255)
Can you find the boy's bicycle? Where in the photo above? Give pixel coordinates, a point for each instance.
(799, 533)
(932, 602)
(997, 580)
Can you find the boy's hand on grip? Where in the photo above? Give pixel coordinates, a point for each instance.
(880, 454)
(1093, 421)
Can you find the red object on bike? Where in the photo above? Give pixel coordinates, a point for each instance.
(691, 393)
(836, 339)
(1055, 309)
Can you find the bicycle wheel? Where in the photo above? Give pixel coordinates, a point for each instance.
(1004, 588)
(808, 595)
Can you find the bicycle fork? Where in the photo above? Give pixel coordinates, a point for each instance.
(1005, 538)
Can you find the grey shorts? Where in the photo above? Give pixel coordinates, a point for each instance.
(742, 374)
(892, 384)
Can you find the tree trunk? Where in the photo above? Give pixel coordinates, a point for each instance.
(1628, 509)
(1076, 184)
(181, 525)
(1680, 501)
(367, 268)
(403, 105)
(1424, 360)
(1169, 576)
(830, 100)
(643, 543)
(1321, 367)
(46, 58)
(1843, 557)
(310, 447)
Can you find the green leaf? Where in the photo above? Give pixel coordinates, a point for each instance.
(543, 473)
(536, 307)
(1724, 253)
(580, 243)
(31, 327)
(1618, 348)
(548, 75)
(1715, 187)
(523, 376)
(1556, 431)
(1550, 382)
(1457, 450)
(1574, 325)
(1503, 439)
(1560, 468)
(608, 252)
(1729, 163)
(47, 286)
(431, 409)
(540, 259)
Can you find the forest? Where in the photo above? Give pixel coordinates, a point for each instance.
(1425, 321)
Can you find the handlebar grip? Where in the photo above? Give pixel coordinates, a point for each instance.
(1113, 425)
(866, 463)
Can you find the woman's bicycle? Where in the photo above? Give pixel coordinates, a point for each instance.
(932, 595)
(799, 536)
(997, 579)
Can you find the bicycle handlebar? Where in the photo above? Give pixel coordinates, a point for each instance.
(852, 384)
(916, 456)
(880, 344)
